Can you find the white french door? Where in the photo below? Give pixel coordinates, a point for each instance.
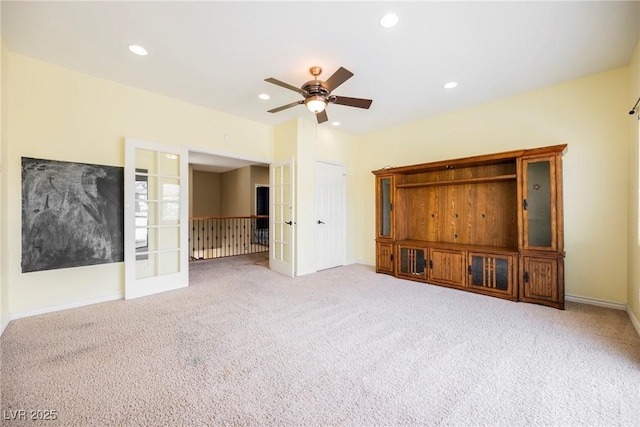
(156, 218)
(330, 215)
(281, 217)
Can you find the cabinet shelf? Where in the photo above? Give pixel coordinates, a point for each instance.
(458, 246)
(498, 178)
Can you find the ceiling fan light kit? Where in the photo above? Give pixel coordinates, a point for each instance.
(315, 104)
(317, 93)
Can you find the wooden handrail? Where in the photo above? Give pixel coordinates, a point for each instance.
(229, 217)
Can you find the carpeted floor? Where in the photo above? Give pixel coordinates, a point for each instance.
(246, 346)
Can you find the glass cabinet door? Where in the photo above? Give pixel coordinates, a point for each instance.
(412, 262)
(539, 203)
(385, 207)
(491, 273)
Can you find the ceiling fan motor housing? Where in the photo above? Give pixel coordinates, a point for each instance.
(316, 88)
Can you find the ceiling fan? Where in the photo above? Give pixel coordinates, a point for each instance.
(317, 93)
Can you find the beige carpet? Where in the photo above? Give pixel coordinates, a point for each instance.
(246, 346)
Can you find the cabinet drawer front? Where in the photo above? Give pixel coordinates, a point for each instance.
(447, 267)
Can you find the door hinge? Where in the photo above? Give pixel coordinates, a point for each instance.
(526, 277)
(524, 204)
(390, 206)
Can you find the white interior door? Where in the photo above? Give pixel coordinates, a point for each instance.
(281, 217)
(156, 218)
(330, 215)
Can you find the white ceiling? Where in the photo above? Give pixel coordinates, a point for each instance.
(217, 54)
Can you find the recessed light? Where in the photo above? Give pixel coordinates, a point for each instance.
(335, 123)
(389, 20)
(138, 50)
(264, 96)
(451, 85)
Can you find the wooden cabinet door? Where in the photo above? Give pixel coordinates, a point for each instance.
(492, 274)
(385, 190)
(539, 281)
(447, 267)
(412, 262)
(384, 257)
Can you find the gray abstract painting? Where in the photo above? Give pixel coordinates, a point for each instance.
(72, 214)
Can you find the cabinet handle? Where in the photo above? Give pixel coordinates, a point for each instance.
(430, 263)
(469, 270)
(391, 256)
(524, 204)
(526, 277)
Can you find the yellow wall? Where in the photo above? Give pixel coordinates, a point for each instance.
(206, 194)
(633, 291)
(64, 115)
(234, 187)
(588, 114)
(230, 193)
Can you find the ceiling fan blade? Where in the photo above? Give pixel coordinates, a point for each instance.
(286, 86)
(339, 77)
(322, 116)
(284, 107)
(351, 102)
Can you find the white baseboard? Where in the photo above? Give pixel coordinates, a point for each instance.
(304, 273)
(51, 309)
(598, 302)
(607, 304)
(634, 320)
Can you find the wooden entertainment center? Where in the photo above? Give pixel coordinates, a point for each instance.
(491, 224)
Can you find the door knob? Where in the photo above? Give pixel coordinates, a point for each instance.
(320, 222)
